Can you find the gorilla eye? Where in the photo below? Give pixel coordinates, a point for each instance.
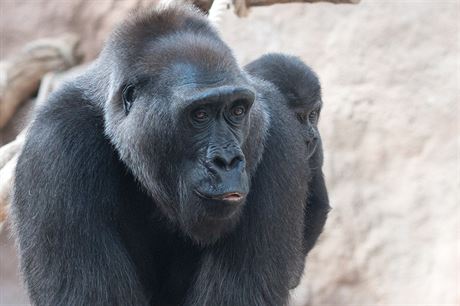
(129, 95)
(200, 115)
(313, 117)
(238, 111)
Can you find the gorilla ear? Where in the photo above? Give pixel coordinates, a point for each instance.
(128, 96)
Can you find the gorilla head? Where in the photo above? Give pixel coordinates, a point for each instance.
(179, 116)
(301, 88)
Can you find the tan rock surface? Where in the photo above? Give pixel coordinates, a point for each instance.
(391, 77)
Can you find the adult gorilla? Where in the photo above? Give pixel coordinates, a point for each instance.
(163, 175)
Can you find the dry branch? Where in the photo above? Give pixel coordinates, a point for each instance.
(6, 185)
(21, 75)
(242, 6)
(8, 158)
(8, 151)
(250, 3)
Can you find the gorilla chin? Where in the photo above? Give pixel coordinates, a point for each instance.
(222, 206)
(216, 197)
(213, 220)
(213, 216)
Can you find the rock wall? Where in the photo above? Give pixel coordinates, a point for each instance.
(391, 80)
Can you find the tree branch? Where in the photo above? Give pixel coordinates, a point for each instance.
(21, 75)
(250, 3)
(205, 5)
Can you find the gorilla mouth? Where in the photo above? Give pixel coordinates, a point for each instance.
(232, 197)
(227, 197)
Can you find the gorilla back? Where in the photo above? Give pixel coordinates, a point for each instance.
(163, 175)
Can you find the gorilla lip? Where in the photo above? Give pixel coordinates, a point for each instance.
(228, 196)
(232, 197)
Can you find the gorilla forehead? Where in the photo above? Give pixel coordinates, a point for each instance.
(159, 22)
(153, 41)
(184, 58)
(193, 54)
(292, 76)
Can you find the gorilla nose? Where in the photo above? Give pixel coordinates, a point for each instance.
(227, 173)
(227, 162)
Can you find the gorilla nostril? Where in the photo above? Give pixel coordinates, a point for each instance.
(226, 164)
(235, 161)
(219, 162)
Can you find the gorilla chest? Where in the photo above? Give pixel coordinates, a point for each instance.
(165, 262)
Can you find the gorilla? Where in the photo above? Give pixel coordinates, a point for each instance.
(302, 91)
(165, 174)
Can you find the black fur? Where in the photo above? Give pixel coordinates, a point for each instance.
(127, 196)
(302, 90)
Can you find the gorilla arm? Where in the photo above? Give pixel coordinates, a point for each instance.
(316, 209)
(68, 185)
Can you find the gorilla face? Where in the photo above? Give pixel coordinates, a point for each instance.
(309, 118)
(180, 127)
(215, 127)
(300, 86)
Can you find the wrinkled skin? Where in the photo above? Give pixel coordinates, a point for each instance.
(163, 175)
